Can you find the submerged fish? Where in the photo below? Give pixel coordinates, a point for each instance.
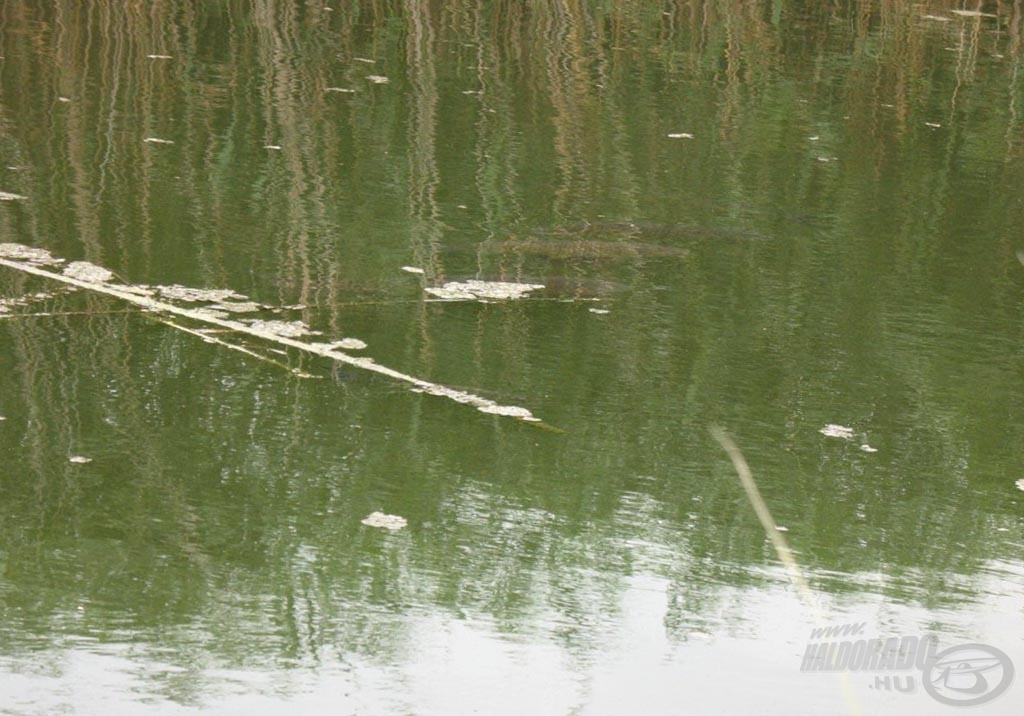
(570, 248)
(646, 230)
(579, 287)
(612, 240)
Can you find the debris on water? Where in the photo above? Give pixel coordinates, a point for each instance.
(781, 528)
(211, 312)
(826, 160)
(188, 294)
(933, 125)
(345, 344)
(285, 329)
(680, 135)
(237, 306)
(511, 411)
(157, 140)
(837, 431)
(489, 407)
(475, 290)
(222, 303)
(272, 146)
(448, 293)
(412, 269)
(599, 311)
(367, 60)
(135, 289)
(459, 396)
(25, 300)
(867, 448)
(159, 57)
(972, 13)
(2, 418)
(388, 522)
(8, 196)
(85, 271)
(79, 459)
(63, 99)
(29, 254)
(348, 344)
(1020, 484)
(342, 90)
(378, 79)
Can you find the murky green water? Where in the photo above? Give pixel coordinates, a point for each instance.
(829, 238)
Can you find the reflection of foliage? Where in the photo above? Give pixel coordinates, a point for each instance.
(878, 294)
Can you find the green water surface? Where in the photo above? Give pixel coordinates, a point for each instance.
(767, 216)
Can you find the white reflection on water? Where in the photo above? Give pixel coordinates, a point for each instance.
(464, 666)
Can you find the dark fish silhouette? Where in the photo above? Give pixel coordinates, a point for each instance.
(645, 231)
(612, 240)
(573, 248)
(579, 287)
